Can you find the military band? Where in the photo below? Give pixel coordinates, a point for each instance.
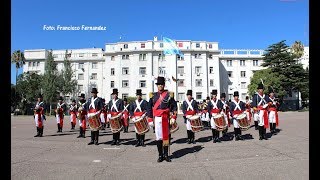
(237, 107)
(189, 109)
(73, 113)
(116, 107)
(39, 116)
(82, 116)
(273, 112)
(214, 110)
(103, 115)
(223, 105)
(125, 117)
(60, 112)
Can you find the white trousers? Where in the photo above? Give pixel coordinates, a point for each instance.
(255, 116)
(71, 116)
(158, 128)
(205, 117)
(213, 125)
(102, 119)
(36, 119)
(58, 118)
(188, 125)
(260, 118)
(272, 117)
(235, 123)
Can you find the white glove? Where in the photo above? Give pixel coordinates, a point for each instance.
(37, 106)
(134, 119)
(265, 106)
(109, 116)
(151, 124)
(274, 103)
(172, 121)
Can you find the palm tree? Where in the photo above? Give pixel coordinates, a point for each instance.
(17, 58)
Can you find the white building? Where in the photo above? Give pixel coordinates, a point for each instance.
(135, 65)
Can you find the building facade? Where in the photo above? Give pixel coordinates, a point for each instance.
(135, 65)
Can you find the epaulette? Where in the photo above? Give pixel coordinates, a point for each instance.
(151, 94)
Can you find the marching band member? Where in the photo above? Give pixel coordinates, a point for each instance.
(39, 116)
(237, 107)
(223, 105)
(213, 111)
(94, 105)
(248, 109)
(159, 108)
(204, 112)
(116, 106)
(273, 112)
(137, 109)
(125, 117)
(260, 104)
(60, 112)
(189, 107)
(73, 113)
(103, 115)
(82, 116)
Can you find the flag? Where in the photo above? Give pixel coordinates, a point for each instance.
(170, 47)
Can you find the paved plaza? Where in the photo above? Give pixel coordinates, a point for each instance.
(64, 156)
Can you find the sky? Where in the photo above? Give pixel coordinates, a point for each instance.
(234, 24)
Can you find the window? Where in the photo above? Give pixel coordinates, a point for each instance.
(210, 70)
(211, 82)
(142, 57)
(38, 63)
(210, 46)
(242, 63)
(243, 96)
(142, 70)
(180, 44)
(210, 56)
(80, 77)
(179, 57)
(94, 65)
(197, 56)
(180, 70)
(142, 84)
(181, 82)
(125, 83)
(34, 64)
(112, 71)
(125, 95)
(243, 74)
(198, 95)
(198, 82)
(80, 87)
(125, 70)
(230, 74)
(243, 85)
(162, 70)
(30, 64)
(81, 65)
(197, 45)
(143, 45)
(125, 56)
(161, 45)
(112, 84)
(112, 58)
(255, 62)
(198, 69)
(161, 57)
(81, 55)
(94, 76)
(181, 96)
(55, 56)
(94, 54)
(125, 46)
(229, 63)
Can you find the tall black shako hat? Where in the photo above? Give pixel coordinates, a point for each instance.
(94, 90)
(260, 86)
(189, 92)
(236, 93)
(114, 91)
(160, 80)
(138, 92)
(214, 92)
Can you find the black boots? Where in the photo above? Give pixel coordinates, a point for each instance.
(237, 133)
(41, 131)
(138, 140)
(108, 126)
(38, 133)
(96, 139)
(142, 136)
(189, 137)
(166, 156)
(256, 125)
(224, 132)
(116, 138)
(58, 127)
(92, 138)
(160, 151)
(81, 133)
(72, 126)
(103, 126)
(262, 133)
(273, 128)
(215, 136)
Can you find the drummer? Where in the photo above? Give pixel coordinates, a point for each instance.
(213, 111)
(94, 105)
(189, 108)
(137, 109)
(237, 107)
(223, 105)
(116, 106)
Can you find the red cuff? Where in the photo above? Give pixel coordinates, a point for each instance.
(150, 120)
(174, 117)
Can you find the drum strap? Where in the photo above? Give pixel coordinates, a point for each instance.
(138, 105)
(114, 106)
(262, 101)
(126, 107)
(237, 105)
(92, 102)
(189, 104)
(214, 104)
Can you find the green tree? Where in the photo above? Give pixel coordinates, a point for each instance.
(131, 99)
(29, 86)
(68, 83)
(50, 83)
(269, 79)
(18, 59)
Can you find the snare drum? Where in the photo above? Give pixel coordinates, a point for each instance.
(173, 126)
(243, 121)
(141, 125)
(94, 121)
(115, 123)
(196, 123)
(220, 122)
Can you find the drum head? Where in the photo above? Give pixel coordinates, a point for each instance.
(217, 116)
(241, 116)
(194, 117)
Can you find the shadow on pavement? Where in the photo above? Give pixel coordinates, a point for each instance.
(182, 152)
